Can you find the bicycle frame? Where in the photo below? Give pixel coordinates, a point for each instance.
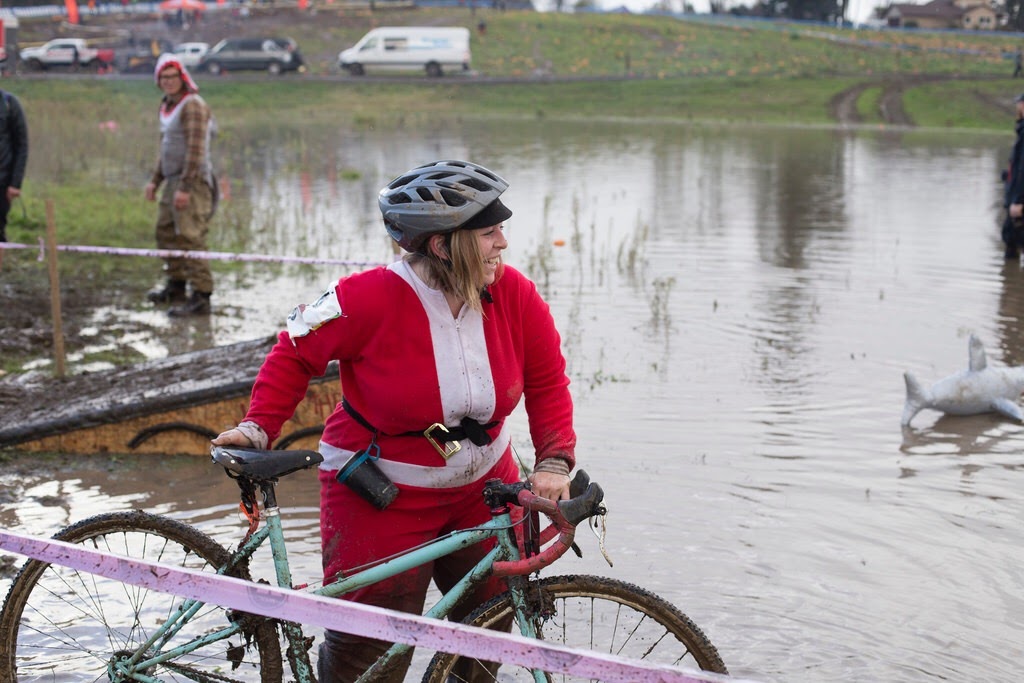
(505, 551)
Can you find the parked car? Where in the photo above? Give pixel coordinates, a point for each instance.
(431, 49)
(190, 54)
(67, 52)
(275, 55)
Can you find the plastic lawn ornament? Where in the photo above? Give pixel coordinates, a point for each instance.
(980, 388)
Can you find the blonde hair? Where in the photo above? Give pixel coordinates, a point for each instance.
(459, 274)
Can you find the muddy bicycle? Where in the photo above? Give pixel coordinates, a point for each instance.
(60, 624)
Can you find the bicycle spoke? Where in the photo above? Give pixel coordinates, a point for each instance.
(602, 615)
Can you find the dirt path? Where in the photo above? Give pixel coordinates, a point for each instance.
(843, 106)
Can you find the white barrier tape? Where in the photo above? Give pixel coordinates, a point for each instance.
(180, 253)
(342, 615)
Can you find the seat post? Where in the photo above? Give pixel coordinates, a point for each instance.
(269, 494)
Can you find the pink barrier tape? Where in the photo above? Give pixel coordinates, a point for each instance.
(341, 615)
(202, 255)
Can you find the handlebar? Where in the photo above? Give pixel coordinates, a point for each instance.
(564, 515)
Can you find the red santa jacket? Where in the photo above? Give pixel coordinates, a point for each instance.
(406, 363)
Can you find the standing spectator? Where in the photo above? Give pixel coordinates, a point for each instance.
(189, 196)
(1013, 199)
(13, 155)
(1018, 62)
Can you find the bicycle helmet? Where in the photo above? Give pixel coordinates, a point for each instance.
(441, 197)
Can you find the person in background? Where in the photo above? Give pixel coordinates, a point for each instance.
(13, 155)
(435, 352)
(1013, 198)
(189, 188)
(1018, 63)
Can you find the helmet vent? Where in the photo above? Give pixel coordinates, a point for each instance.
(400, 198)
(425, 194)
(487, 174)
(404, 180)
(452, 198)
(476, 184)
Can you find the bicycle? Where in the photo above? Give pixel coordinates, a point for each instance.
(61, 624)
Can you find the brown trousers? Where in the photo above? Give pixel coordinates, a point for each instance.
(185, 230)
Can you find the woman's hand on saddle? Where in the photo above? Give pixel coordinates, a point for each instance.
(246, 435)
(232, 437)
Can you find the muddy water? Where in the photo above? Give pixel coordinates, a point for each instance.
(738, 307)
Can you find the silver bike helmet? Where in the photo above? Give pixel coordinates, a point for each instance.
(441, 197)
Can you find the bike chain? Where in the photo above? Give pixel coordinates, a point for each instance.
(199, 676)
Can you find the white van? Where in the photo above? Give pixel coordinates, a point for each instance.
(405, 48)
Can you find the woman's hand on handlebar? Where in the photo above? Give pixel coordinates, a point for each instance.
(550, 485)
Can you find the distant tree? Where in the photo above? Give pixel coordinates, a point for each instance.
(1015, 14)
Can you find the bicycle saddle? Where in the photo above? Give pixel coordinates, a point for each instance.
(263, 465)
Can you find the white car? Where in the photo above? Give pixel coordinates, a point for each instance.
(189, 54)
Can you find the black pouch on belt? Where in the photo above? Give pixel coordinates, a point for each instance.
(362, 475)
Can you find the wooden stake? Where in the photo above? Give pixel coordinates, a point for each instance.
(51, 258)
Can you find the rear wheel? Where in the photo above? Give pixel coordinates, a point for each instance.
(214, 68)
(274, 68)
(434, 70)
(591, 613)
(59, 623)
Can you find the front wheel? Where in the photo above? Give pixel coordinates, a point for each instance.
(214, 68)
(591, 613)
(59, 623)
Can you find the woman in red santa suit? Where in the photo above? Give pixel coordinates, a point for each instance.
(446, 342)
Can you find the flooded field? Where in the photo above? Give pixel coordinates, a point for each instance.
(738, 307)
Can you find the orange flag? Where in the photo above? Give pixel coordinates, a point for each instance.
(72, 6)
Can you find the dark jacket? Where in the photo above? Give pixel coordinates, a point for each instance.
(1014, 190)
(13, 141)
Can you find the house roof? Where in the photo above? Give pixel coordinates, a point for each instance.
(936, 9)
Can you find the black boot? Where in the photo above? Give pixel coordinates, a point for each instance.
(197, 304)
(172, 291)
(1011, 252)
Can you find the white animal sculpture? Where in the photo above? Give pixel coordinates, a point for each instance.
(978, 389)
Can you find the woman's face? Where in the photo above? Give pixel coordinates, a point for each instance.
(492, 242)
(170, 80)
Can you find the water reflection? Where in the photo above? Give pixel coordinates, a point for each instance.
(1011, 313)
(737, 306)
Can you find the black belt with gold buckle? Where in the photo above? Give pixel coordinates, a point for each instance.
(444, 439)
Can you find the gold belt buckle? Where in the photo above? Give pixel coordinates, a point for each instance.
(449, 448)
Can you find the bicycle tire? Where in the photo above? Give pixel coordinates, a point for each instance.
(595, 613)
(60, 624)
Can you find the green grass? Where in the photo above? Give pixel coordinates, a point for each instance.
(664, 68)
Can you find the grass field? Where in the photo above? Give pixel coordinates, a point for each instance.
(629, 66)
